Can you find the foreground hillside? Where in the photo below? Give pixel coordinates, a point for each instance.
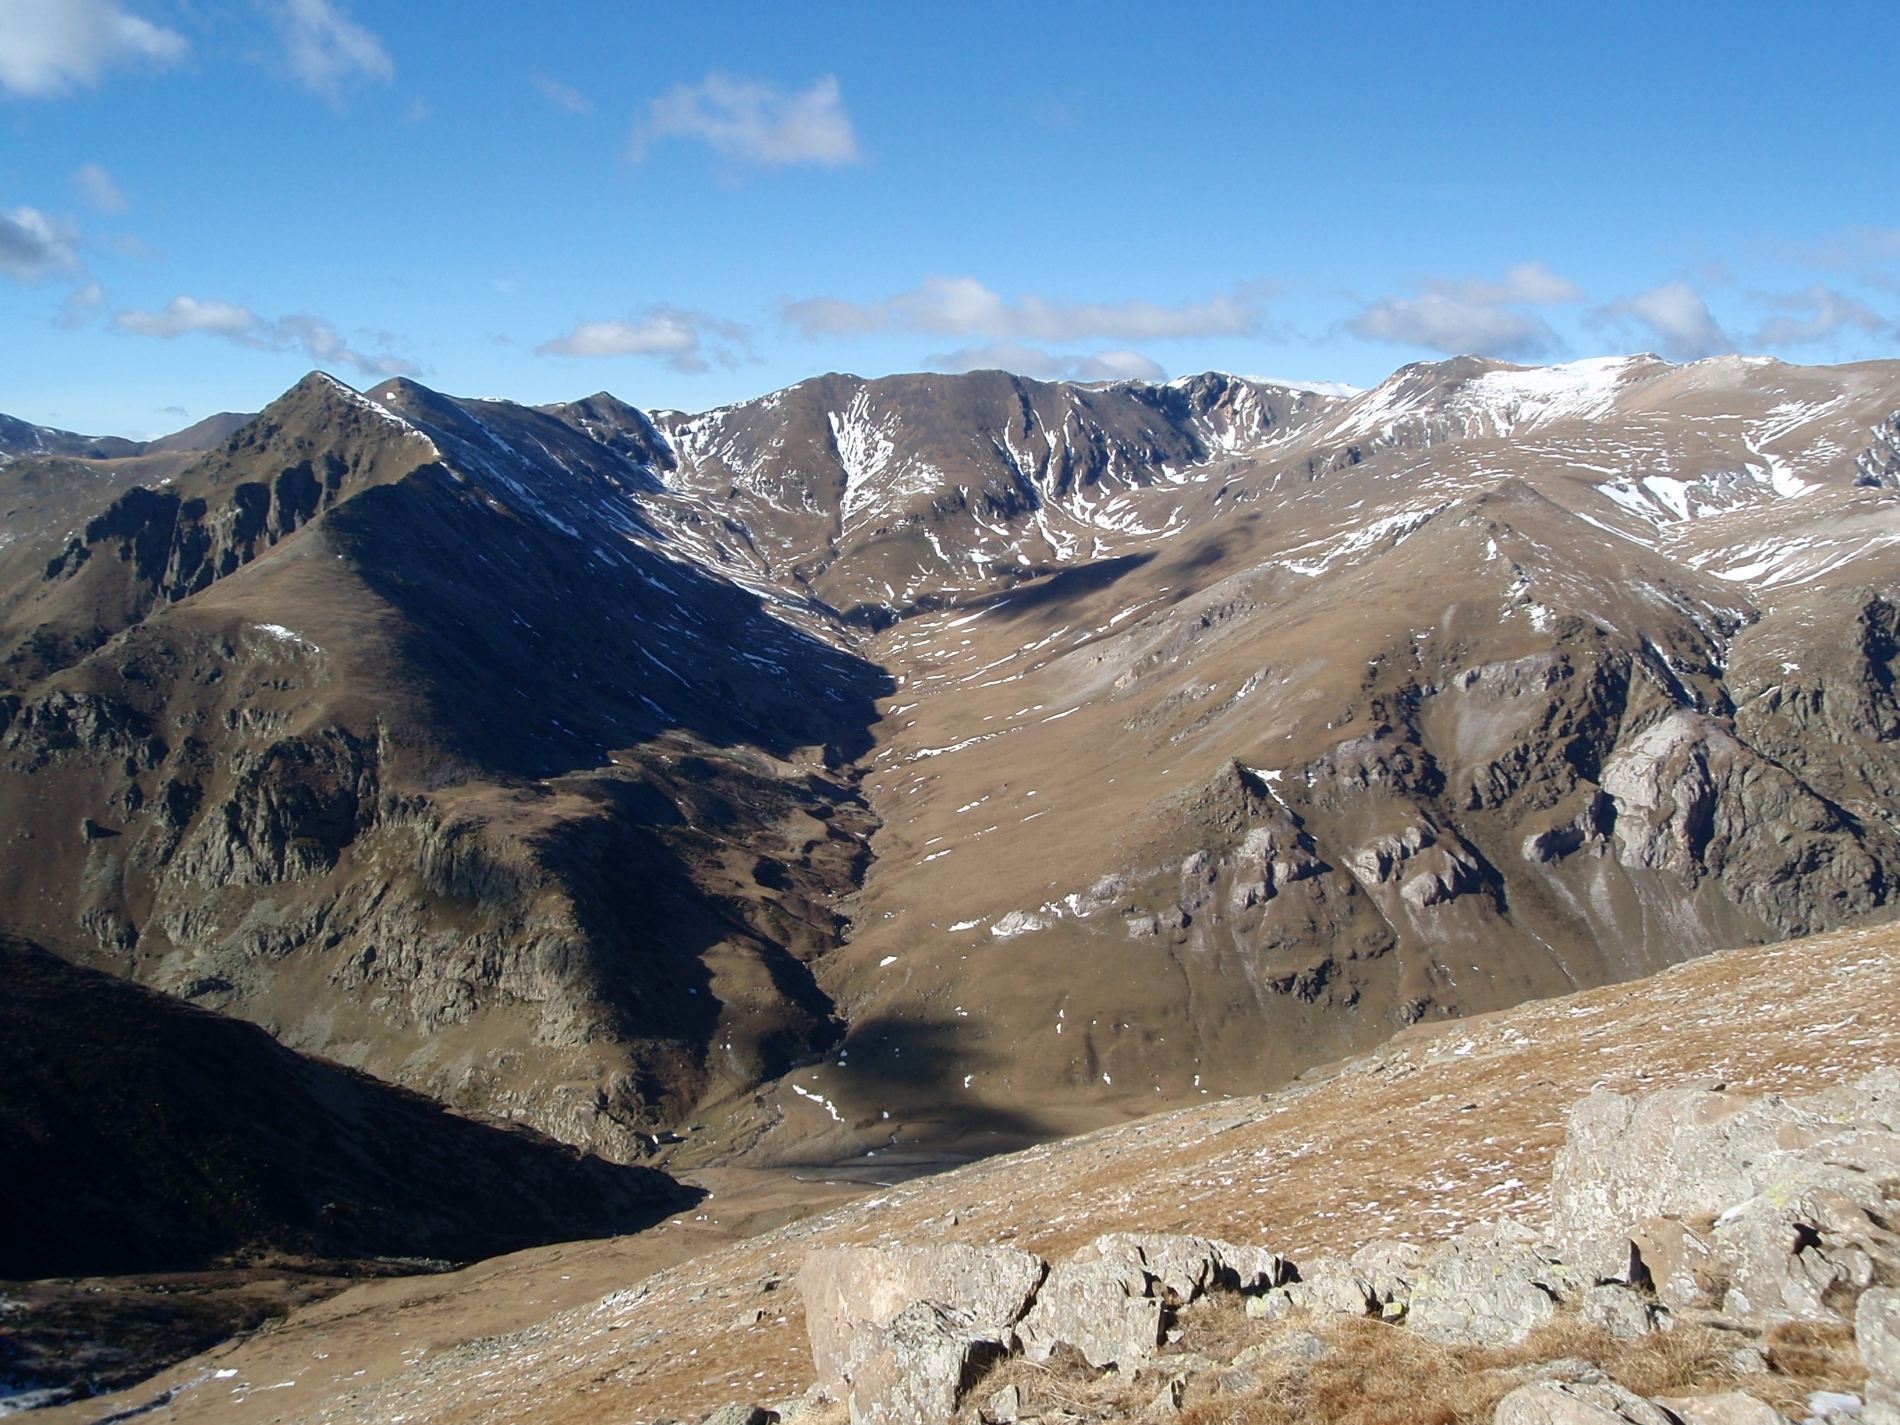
(1446, 1127)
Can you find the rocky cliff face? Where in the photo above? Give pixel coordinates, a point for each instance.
(994, 754)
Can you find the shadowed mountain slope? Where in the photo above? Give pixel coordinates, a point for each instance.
(142, 1134)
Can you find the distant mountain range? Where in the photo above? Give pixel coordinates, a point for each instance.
(949, 758)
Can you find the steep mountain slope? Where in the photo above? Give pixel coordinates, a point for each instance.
(1002, 756)
(326, 733)
(142, 1134)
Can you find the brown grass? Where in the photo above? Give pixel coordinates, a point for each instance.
(1379, 1374)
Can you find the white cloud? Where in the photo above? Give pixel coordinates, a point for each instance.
(1527, 282)
(753, 122)
(562, 96)
(95, 185)
(322, 342)
(684, 340)
(962, 306)
(327, 49)
(1473, 317)
(48, 46)
(1677, 317)
(33, 246)
(188, 314)
(315, 337)
(1048, 365)
(1816, 315)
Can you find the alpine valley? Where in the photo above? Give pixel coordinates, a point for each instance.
(943, 763)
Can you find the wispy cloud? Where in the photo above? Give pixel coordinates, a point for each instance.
(1676, 317)
(79, 306)
(48, 46)
(1851, 248)
(964, 307)
(95, 185)
(562, 96)
(1473, 317)
(750, 121)
(1817, 314)
(685, 340)
(34, 246)
(315, 337)
(327, 50)
(1048, 365)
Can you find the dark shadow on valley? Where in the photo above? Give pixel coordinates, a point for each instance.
(914, 1068)
(1037, 589)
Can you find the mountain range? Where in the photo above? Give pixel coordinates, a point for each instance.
(952, 761)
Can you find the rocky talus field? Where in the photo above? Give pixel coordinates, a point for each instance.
(881, 776)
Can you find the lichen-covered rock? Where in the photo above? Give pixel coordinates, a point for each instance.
(852, 1292)
(914, 1369)
(1574, 1403)
(1877, 1333)
(1484, 1293)
(1102, 1308)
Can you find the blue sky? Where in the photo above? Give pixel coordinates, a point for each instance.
(689, 204)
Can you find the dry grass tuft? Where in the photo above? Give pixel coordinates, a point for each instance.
(1806, 1356)
(1378, 1374)
(1065, 1382)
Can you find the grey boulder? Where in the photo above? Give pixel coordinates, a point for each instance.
(914, 1370)
(1877, 1333)
(851, 1292)
(1574, 1403)
(1102, 1308)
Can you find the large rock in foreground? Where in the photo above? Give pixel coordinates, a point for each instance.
(1769, 1208)
(854, 1293)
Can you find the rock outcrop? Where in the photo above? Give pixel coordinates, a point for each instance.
(1685, 1205)
(1764, 1208)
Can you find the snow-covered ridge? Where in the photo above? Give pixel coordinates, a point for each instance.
(1500, 402)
